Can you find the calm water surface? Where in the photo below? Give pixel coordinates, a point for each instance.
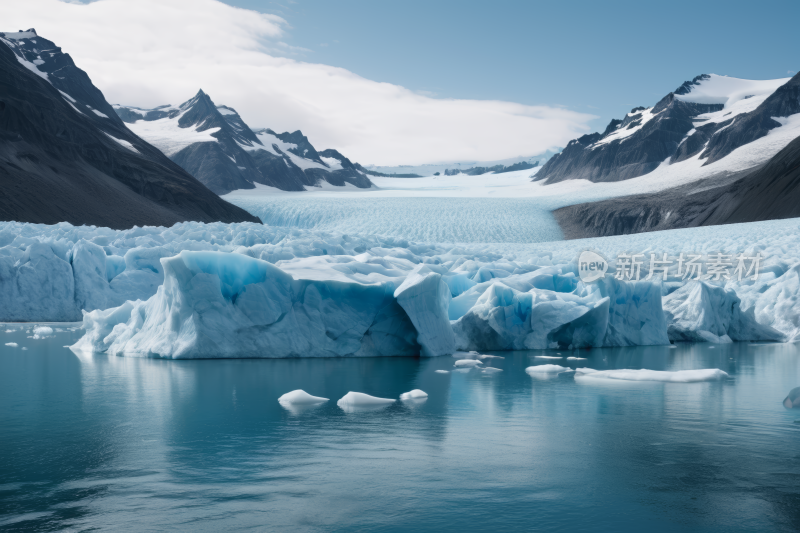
(110, 443)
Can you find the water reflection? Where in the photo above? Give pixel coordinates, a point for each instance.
(92, 441)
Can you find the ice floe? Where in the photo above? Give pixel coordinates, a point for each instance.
(546, 369)
(676, 376)
(300, 397)
(358, 401)
(415, 394)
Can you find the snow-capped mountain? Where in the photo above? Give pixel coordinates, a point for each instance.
(705, 120)
(738, 162)
(214, 144)
(66, 156)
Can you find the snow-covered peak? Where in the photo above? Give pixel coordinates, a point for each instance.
(18, 35)
(714, 89)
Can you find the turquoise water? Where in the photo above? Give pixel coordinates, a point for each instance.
(109, 443)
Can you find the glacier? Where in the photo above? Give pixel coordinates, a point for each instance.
(199, 290)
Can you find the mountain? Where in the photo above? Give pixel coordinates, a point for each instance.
(706, 119)
(772, 191)
(738, 162)
(497, 169)
(214, 144)
(66, 156)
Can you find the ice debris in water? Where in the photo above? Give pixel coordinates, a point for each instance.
(467, 363)
(12, 344)
(442, 371)
(491, 370)
(300, 397)
(792, 399)
(546, 369)
(415, 394)
(356, 401)
(676, 376)
(40, 332)
(576, 359)
(546, 357)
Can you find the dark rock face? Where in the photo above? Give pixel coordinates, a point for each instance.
(66, 156)
(239, 158)
(771, 191)
(651, 142)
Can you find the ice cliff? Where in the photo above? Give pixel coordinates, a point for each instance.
(247, 290)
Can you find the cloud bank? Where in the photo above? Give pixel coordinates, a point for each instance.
(152, 52)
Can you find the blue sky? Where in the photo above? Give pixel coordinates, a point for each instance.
(596, 57)
(414, 82)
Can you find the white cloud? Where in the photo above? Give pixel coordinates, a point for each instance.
(152, 52)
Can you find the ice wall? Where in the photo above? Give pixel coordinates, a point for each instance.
(393, 295)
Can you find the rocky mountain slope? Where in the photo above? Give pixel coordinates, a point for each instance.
(706, 119)
(66, 156)
(214, 144)
(737, 163)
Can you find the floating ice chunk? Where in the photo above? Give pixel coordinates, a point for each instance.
(701, 312)
(546, 369)
(42, 331)
(12, 344)
(300, 397)
(425, 297)
(10, 330)
(491, 370)
(677, 376)
(24, 348)
(358, 401)
(491, 357)
(415, 394)
(467, 363)
(576, 359)
(792, 400)
(466, 355)
(547, 357)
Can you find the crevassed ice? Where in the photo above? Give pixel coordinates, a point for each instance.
(248, 290)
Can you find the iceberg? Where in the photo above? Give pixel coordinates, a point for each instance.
(467, 363)
(415, 394)
(300, 397)
(677, 376)
(358, 401)
(546, 369)
(792, 400)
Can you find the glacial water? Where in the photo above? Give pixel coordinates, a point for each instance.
(96, 442)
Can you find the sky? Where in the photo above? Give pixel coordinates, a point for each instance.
(416, 82)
